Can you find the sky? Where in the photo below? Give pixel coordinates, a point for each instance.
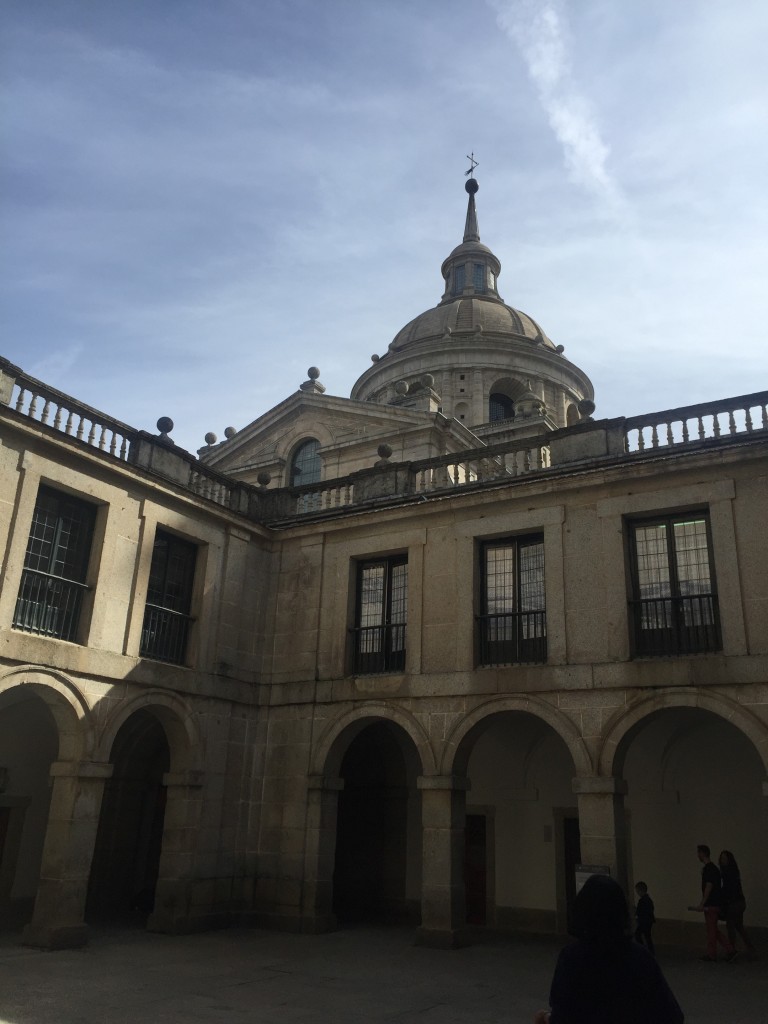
(201, 200)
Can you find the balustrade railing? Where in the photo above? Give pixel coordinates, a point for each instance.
(687, 424)
(513, 637)
(164, 634)
(48, 605)
(53, 408)
(379, 648)
(676, 625)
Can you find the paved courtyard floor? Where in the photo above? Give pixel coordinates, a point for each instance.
(346, 977)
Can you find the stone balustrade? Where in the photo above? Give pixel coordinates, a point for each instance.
(52, 408)
(584, 444)
(693, 423)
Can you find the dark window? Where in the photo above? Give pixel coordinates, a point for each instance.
(305, 464)
(513, 619)
(55, 566)
(458, 280)
(674, 601)
(169, 599)
(500, 407)
(478, 277)
(381, 615)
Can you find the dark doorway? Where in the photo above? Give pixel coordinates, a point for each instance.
(572, 857)
(129, 838)
(476, 868)
(369, 880)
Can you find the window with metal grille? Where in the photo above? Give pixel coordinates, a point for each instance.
(674, 608)
(305, 464)
(55, 566)
(500, 407)
(478, 277)
(513, 620)
(458, 279)
(167, 620)
(381, 615)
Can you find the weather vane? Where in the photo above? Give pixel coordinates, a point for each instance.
(472, 164)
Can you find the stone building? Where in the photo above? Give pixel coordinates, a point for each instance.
(410, 656)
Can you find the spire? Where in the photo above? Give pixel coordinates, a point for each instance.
(471, 270)
(471, 230)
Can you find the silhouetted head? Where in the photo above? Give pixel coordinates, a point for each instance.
(703, 852)
(600, 910)
(641, 888)
(727, 861)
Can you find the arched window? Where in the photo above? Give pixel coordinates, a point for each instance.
(500, 407)
(458, 279)
(305, 464)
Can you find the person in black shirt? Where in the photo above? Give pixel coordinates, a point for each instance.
(644, 917)
(733, 903)
(604, 977)
(710, 904)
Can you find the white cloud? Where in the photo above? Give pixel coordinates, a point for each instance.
(539, 30)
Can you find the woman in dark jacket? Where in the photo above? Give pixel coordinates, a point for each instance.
(604, 977)
(732, 899)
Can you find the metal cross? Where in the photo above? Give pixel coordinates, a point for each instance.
(472, 164)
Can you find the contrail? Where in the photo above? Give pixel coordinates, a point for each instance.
(538, 28)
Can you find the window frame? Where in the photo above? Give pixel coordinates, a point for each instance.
(524, 629)
(501, 401)
(681, 635)
(53, 604)
(165, 629)
(295, 471)
(387, 639)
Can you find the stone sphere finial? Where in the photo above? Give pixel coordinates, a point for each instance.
(471, 186)
(313, 373)
(401, 387)
(586, 407)
(229, 433)
(165, 426)
(210, 438)
(427, 380)
(264, 478)
(560, 349)
(384, 452)
(375, 358)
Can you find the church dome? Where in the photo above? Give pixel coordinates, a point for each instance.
(470, 314)
(481, 353)
(471, 301)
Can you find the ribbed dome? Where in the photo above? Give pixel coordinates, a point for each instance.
(466, 315)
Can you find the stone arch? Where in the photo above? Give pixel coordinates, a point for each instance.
(67, 705)
(334, 739)
(623, 722)
(177, 719)
(456, 748)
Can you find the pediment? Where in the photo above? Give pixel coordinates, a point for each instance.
(332, 421)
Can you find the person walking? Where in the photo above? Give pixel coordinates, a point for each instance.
(711, 895)
(645, 917)
(733, 902)
(604, 975)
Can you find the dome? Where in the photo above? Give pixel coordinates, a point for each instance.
(480, 353)
(469, 315)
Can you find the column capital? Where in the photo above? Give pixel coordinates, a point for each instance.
(186, 778)
(327, 782)
(457, 782)
(82, 769)
(599, 784)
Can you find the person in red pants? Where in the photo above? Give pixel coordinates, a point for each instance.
(711, 886)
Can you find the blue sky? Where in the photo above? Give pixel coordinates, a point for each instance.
(200, 200)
